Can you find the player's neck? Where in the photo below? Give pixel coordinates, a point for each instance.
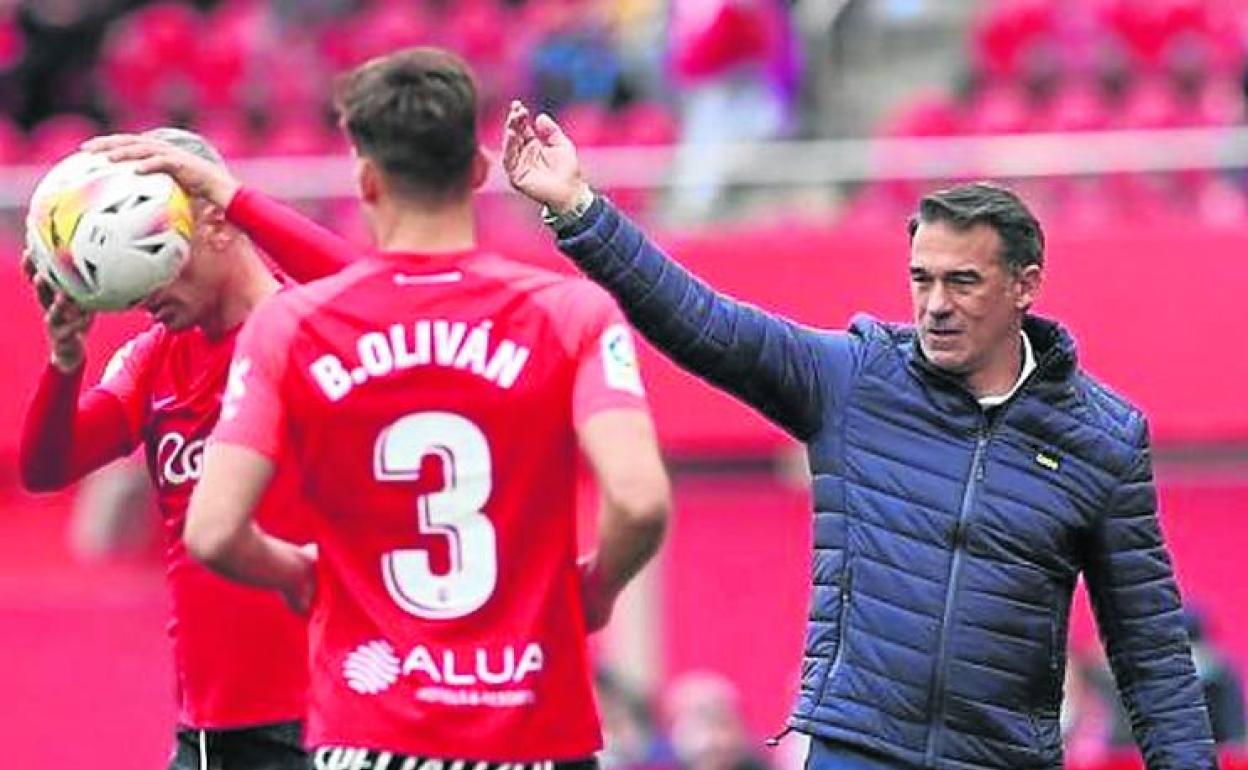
(442, 230)
(248, 286)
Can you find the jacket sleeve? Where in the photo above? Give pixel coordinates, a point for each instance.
(766, 361)
(1138, 610)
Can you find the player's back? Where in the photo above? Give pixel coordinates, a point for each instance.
(430, 404)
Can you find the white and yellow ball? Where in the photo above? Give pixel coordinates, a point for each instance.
(105, 235)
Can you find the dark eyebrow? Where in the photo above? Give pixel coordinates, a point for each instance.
(963, 275)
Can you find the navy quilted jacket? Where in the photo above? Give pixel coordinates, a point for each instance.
(947, 540)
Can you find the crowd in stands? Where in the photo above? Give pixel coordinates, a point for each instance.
(256, 77)
(1093, 65)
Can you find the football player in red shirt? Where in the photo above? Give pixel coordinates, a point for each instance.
(239, 654)
(434, 395)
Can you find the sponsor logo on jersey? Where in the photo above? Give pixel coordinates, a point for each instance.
(179, 460)
(490, 677)
(619, 360)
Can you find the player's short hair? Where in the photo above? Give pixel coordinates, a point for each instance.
(414, 113)
(189, 141)
(967, 205)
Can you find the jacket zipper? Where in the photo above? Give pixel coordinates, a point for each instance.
(974, 476)
(847, 589)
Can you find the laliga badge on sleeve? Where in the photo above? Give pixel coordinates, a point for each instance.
(619, 360)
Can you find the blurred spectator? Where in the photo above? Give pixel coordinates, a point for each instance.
(1224, 693)
(707, 729)
(1224, 690)
(115, 512)
(1087, 719)
(58, 46)
(631, 739)
(575, 63)
(727, 56)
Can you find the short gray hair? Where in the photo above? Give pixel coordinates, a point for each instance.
(189, 141)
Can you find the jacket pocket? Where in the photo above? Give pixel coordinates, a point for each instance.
(842, 624)
(846, 582)
(1056, 671)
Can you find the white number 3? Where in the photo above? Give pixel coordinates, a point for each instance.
(453, 511)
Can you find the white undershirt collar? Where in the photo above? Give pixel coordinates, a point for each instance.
(1029, 366)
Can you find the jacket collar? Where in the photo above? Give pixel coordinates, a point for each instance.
(1056, 355)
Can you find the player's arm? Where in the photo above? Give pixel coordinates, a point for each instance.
(636, 501)
(767, 361)
(1138, 610)
(67, 434)
(221, 531)
(300, 247)
(617, 436)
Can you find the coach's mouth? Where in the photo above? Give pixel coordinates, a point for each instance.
(941, 337)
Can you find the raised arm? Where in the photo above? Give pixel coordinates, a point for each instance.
(767, 361)
(1138, 610)
(65, 436)
(301, 248)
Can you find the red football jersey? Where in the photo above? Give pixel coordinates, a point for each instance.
(430, 403)
(240, 655)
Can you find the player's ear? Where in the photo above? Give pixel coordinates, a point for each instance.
(368, 181)
(212, 224)
(480, 169)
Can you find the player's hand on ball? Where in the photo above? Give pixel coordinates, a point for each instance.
(199, 177)
(540, 160)
(67, 326)
(45, 292)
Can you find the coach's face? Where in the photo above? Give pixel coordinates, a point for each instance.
(968, 305)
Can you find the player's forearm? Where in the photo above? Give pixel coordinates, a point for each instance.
(65, 437)
(302, 248)
(629, 537)
(248, 555)
(761, 358)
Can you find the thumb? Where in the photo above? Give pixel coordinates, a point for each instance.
(549, 132)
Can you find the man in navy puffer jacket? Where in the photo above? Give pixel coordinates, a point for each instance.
(966, 472)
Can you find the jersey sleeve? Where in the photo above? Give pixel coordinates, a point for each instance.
(608, 374)
(253, 412)
(127, 378)
(300, 247)
(64, 437)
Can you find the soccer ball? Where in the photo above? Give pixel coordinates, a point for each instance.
(104, 235)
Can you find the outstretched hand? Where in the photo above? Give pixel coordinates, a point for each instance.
(540, 160)
(199, 177)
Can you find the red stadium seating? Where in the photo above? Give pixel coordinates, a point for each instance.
(58, 136)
